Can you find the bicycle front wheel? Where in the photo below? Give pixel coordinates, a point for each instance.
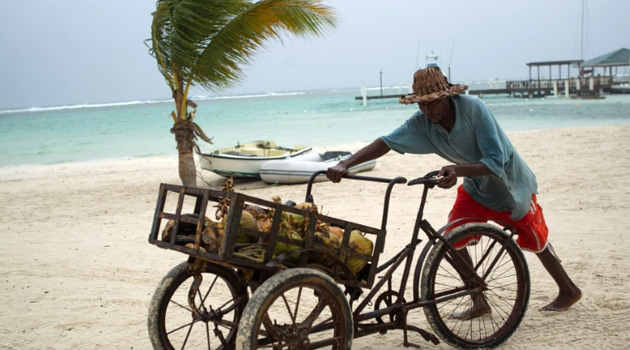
(210, 322)
(492, 310)
(298, 308)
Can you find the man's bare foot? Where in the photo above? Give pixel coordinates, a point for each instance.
(479, 308)
(564, 301)
(470, 314)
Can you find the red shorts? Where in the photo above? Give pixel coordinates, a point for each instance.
(532, 229)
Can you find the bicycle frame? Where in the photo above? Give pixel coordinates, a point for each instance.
(400, 307)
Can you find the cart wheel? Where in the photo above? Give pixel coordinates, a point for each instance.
(219, 303)
(503, 299)
(298, 308)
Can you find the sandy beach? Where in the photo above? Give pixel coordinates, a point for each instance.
(77, 271)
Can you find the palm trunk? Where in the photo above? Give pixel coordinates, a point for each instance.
(186, 133)
(185, 136)
(187, 169)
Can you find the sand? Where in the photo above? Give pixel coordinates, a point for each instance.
(77, 271)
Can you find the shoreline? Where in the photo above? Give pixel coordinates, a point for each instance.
(352, 147)
(348, 90)
(142, 131)
(77, 270)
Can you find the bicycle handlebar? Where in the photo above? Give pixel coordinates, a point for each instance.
(396, 180)
(391, 182)
(428, 179)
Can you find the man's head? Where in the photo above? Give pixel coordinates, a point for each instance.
(429, 84)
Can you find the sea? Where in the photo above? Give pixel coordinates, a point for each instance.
(136, 129)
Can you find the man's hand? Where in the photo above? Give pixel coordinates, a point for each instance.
(450, 173)
(369, 152)
(336, 172)
(448, 177)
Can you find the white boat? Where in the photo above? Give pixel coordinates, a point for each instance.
(244, 160)
(300, 169)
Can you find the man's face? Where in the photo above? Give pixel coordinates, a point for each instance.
(435, 110)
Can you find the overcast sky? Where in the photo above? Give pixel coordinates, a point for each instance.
(70, 52)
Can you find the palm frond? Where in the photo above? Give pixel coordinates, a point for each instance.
(181, 29)
(220, 64)
(207, 42)
(195, 23)
(160, 28)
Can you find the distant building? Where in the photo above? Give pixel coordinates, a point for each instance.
(586, 82)
(615, 59)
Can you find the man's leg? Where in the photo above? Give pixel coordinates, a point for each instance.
(480, 305)
(569, 293)
(466, 207)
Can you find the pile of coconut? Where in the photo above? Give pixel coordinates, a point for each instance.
(293, 226)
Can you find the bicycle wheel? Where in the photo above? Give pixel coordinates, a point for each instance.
(218, 301)
(486, 318)
(298, 308)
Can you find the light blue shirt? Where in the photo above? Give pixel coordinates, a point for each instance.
(475, 137)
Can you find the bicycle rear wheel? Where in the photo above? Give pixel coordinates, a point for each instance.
(489, 316)
(219, 303)
(298, 308)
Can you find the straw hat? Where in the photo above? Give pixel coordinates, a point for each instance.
(429, 84)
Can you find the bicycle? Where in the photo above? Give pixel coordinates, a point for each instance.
(300, 304)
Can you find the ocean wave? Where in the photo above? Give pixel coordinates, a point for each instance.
(138, 102)
(194, 98)
(277, 94)
(259, 95)
(84, 105)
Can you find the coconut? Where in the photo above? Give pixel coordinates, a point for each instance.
(361, 245)
(264, 224)
(168, 229)
(282, 247)
(336, 231)
(324, 237)
(327, 239)
(293, 223)
(212, 236)
(192, 246)
(292, 218)
(307, 206)
(255, 210)
(247, 221)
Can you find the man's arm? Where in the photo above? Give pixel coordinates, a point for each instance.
(451, 172)
(374, 150)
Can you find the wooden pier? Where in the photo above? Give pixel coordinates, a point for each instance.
(554, 87)
(572, 87)
(569, 78)
(378, 97)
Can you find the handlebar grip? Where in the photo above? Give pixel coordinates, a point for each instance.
(422, 180)
(428, 179)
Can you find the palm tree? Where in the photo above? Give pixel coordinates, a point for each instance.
(206, 43)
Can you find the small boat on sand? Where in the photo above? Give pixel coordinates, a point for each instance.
(300, 169)
(244, 160)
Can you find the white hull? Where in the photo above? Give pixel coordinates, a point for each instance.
(300, 169)
(241, 164)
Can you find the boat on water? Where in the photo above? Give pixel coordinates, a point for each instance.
(300, 169)
(244, 160)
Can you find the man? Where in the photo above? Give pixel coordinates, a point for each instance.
(498, 184)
